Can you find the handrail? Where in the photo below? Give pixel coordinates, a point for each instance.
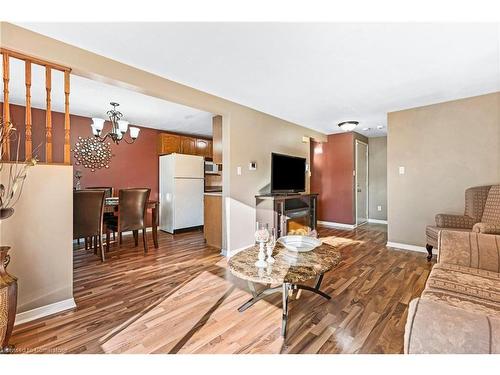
(6, 55)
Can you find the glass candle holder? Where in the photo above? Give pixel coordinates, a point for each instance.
(261, 237)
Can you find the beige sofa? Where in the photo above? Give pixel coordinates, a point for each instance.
(459, 310)
(482, 215)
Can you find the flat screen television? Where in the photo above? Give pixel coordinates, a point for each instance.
(288, 174)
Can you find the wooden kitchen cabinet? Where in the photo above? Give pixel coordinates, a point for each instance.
(212, 220)
(169, 143)
(217, 139)
(204, 148)
(188, 145)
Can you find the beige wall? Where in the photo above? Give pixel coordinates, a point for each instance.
(40, 236)
(377, 177)
(248, 135)
(445, 148)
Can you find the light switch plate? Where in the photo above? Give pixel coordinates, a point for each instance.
(379, 208)
(401, 170)
(238, 171)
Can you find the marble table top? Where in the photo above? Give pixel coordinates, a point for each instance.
(289, 267)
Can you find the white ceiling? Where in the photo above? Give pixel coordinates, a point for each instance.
(313, 74)
(91, 99)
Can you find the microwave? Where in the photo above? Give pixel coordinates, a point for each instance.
(211, 168)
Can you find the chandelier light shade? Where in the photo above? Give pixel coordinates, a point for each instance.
(348, 126)
(119, 127)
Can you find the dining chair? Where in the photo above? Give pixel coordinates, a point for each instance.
(132, 205)
(88, 207)
(108, 190)
(109, 212)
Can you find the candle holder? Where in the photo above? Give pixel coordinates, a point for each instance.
(270, 247)
(261, 237)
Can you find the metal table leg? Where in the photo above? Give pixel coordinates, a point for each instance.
(284, 319)
(285, 288)
(258, 296)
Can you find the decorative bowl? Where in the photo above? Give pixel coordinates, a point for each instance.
(299, 244)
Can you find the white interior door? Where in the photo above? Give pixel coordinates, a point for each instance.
(361, 182)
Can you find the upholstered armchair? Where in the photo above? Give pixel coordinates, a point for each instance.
(482, 215)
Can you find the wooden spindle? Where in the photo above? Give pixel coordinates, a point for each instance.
(66, 119)
(6, 109)
(28, 141)
(48, 116)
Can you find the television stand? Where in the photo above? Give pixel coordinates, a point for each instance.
(287, 212)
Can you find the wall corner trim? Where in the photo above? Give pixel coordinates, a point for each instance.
(377, 221)
(43, 311)
(404, 246)
(336, 225)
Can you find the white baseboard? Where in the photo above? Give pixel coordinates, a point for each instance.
(377, 221)
(336, 225)
(40, 312)
(403, 246)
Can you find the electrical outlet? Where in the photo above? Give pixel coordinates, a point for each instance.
(379, 208)
(401, 170)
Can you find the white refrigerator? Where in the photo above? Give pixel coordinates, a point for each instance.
(181, 191)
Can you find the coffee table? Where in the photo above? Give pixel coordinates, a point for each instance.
(290, 270)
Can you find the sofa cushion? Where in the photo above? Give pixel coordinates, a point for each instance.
(432, 233)
(463, 287)
(435, 327)
(491, 213)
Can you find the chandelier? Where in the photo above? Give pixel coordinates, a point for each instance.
(118, 127)
(348, 125)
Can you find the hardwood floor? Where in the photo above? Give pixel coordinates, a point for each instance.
(180, 298)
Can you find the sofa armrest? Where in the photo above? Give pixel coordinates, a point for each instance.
(454, 221)
(455, 331)
(486, 228)
(469, 249)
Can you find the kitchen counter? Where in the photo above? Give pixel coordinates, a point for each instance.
(212, 227)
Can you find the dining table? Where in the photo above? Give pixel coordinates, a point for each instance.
(112, 204)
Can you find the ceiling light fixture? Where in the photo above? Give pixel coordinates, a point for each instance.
(348, 126)
(118, 127)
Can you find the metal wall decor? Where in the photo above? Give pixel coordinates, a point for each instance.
(90, 153)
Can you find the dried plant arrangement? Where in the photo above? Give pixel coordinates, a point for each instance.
(11, 189)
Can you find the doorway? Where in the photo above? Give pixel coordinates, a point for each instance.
(361, 182)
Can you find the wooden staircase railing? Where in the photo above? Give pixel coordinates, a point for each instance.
(6, 55)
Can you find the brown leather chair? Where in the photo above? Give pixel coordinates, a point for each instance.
(109, 212)
(131, 215)
(107, 189)
(88, 206)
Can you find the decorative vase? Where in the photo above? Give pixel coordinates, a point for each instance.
(8, 301)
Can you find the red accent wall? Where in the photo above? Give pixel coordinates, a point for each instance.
(332, 164)
(133, 165)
